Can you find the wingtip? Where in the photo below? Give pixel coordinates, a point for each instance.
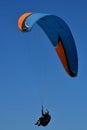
(22, 19)
(62, 55)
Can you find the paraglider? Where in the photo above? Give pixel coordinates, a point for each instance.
(44, 119)
(59, 34)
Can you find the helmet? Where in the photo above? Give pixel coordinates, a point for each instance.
(47, 112)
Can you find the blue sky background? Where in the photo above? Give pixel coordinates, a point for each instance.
(31, 73)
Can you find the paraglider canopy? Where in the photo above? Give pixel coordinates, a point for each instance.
(59, 34)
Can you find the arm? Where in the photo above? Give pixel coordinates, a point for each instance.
(42, 111)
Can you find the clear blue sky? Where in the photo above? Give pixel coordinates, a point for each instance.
(31, 73)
